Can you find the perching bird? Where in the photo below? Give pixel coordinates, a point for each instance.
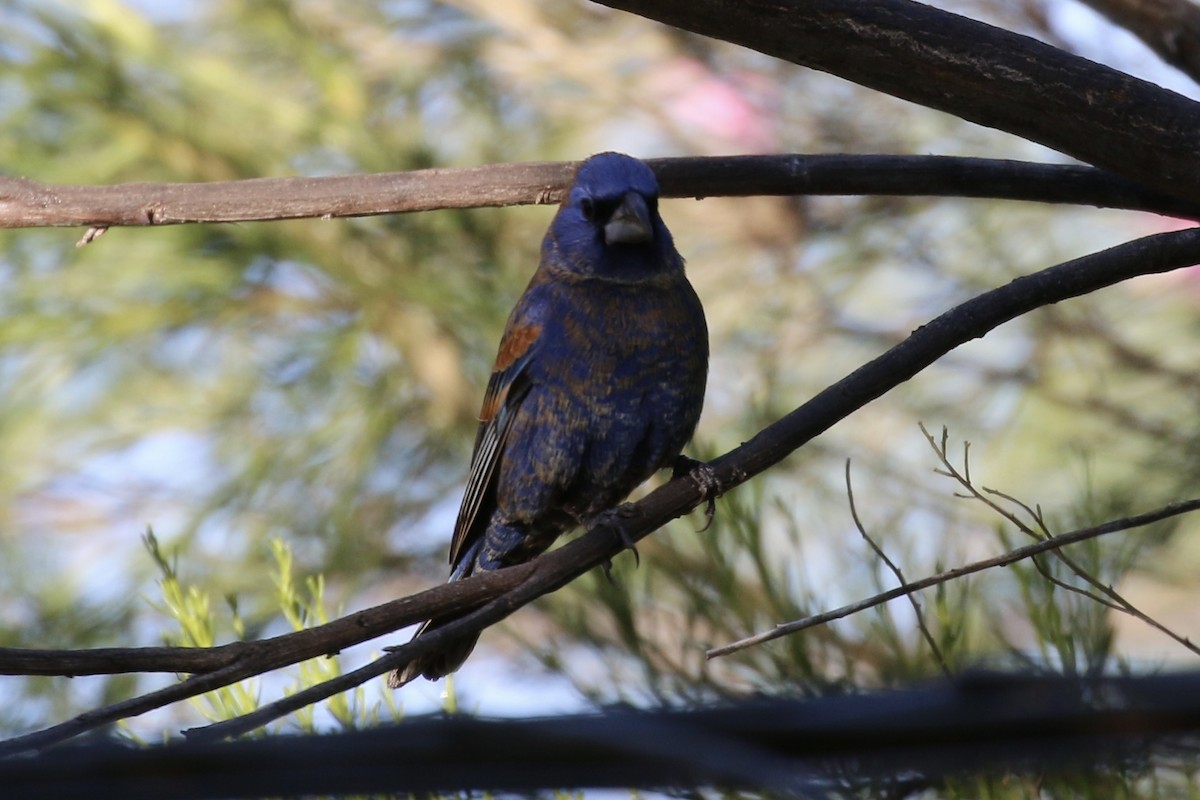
(598, 383)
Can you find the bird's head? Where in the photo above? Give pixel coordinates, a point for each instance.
(608, 225)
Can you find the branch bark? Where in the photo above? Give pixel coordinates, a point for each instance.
(1171, 28)
(975, 71)
(265, 654)
(970, 320)
(888, 742)
(28, 203)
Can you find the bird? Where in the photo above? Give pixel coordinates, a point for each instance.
(598, 383)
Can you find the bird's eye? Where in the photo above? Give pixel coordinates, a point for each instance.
(588, 207)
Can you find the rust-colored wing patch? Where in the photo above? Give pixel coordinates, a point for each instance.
(506, 389)
(515, 345)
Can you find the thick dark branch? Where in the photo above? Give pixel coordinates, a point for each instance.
(27, 203)
(970, 320)
(975, 71)
(1170, 28)
(833, 746)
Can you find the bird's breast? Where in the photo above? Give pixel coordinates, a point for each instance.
(632, 361)
(626, 343)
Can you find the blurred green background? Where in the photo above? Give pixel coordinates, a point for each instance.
(317, 381)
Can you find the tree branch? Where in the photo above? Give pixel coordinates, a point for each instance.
(975, 71)
(26, 203)
(1101, 592)
(886, 743)
(264, 654)
(891, 565)
(242, 660)
(969, 320)
(1171, 28)
(1011, 557)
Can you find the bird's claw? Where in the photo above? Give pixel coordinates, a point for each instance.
(706, 480)
(613, 519)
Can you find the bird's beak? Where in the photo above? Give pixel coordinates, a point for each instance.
(630, 222)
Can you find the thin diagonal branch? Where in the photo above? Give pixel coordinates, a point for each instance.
(27, 203)
(1021, 553)
(1104, 595)
(255, 658)
(912, 599)
(967, 321)
(970, 320)
(548, 573)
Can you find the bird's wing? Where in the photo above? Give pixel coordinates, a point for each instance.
(506, 389)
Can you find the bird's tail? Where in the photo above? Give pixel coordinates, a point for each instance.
(436, 664)
(451, 655)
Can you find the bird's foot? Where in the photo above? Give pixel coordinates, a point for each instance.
(614, 519)
(705, 478)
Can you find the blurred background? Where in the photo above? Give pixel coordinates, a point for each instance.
(290, 406)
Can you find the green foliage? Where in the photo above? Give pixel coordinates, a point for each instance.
(303, 606)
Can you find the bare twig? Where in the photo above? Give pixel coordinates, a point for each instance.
(1103, 594)
(1011, 557)
(912, 599)
(27, 203)
(93, 233)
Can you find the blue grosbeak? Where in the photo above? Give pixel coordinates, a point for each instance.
(598, 383)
